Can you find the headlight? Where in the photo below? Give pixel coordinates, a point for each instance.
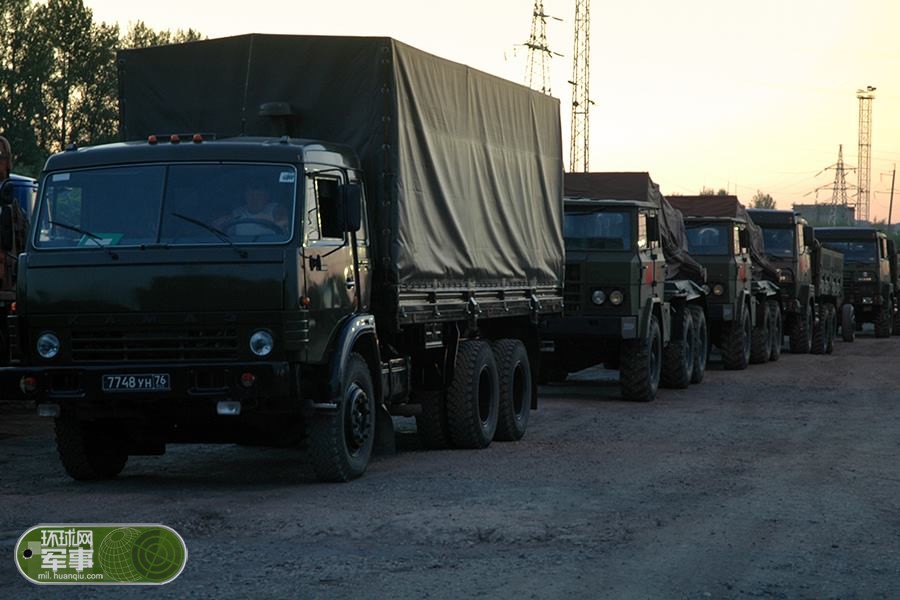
(261, 343)
(598, 297)
(718, 289)
(616, 298)
(785, 276)
(865, 276)
(48, 345)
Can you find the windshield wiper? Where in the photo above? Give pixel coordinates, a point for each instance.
(213, 230)
(91, 236)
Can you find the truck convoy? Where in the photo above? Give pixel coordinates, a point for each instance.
(870, 276)
(745, 317)
(810, 279)
(633, 295)
(351, 229)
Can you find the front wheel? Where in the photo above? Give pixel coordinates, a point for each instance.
(848, 323)
(640, 364)
(341, 442)
(801, 332)
(761, 338)
(90, 450)
(678, 356)
(736, 343)
(819, 333)
(830, 327)
(701, 344)
(883, 321)
(776, 328)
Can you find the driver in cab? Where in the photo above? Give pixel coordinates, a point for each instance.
(258, 215)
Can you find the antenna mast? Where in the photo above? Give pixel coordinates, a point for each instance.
(537, 67)
(865, 97)
(579, 152)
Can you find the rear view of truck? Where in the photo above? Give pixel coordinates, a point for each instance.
(301, 237)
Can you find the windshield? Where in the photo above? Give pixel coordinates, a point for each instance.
(865, 252)
(709, 239)
(779, 241)
(185, 204)
(598, 230)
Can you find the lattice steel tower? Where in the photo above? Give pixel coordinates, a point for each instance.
(864, 169)
(579, 152)
(839, 191)
(537, 67)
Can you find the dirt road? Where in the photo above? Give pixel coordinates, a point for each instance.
(777, 482)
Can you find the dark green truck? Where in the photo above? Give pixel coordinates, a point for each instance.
(633, 295)
(810, 278)
(745, 316)
(870, 276)
(372, 231)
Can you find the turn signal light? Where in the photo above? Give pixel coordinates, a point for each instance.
(28, 384)
(248, 379)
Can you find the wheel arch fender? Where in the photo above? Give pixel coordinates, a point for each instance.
(358, 335)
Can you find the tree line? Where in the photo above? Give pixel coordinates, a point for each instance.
(58, 79)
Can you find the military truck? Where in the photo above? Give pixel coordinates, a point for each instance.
(869, 282)
(745, 317)
(371, 231)
(16, 201)
(633, 295)
(809, 277)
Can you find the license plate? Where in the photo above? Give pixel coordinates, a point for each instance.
(144, 382)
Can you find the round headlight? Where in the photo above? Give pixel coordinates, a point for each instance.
(616, 298)
(718, 289)
(48, 345)
(598, 297)
(261, 343)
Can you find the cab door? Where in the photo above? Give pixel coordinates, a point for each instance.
(328, 262)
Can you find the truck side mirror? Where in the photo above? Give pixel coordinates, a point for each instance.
(7, 193)
(653, 228)
(351, 198)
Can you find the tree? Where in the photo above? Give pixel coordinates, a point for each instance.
(705, 191)
(761, 200)
(58, 76)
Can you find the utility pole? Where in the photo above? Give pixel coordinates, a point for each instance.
(891, 203)
(865, 96)
(579, 150)
(537, 68)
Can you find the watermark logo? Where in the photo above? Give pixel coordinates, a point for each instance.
(125, 554)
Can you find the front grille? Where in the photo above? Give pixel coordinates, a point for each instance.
(193, 343)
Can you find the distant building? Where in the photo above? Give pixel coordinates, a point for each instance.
(826, 215)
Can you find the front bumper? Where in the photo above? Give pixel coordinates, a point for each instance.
(193, 388)
(597, 327)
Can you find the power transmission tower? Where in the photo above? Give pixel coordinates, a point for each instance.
(537, 67)
(838, 189)
(865, 97)
(579, 152)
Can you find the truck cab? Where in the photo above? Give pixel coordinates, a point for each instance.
(619, 308)
(745, 322)
(868, 282)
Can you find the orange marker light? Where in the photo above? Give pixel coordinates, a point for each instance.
(174, 138)
(198, 138)
(152, 140)
(13, 307)
(306, 301)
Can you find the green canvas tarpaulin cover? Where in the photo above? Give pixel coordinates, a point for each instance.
(463, 170)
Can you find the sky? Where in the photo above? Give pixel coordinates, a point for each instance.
(743, 96)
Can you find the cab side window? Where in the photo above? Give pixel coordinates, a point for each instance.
(322, 221)
(801, 242)
(642, 231)
(737, 241)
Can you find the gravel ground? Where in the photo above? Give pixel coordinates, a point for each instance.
(776, 482)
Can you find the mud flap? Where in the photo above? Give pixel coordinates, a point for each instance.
(385, 441)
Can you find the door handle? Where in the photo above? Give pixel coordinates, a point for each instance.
(351, 283)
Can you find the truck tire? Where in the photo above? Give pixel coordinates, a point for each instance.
(761, 338)
(776, 328)
(701, 344)
(678, 355)
(473, 397)
(640, 365)
(848, 323)
(819, 333)
(830, 327)
(514, 372)
(431, 423)
(90, 450)
(736, 343)
(884, 322)
(800, 333)
(341, 442)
